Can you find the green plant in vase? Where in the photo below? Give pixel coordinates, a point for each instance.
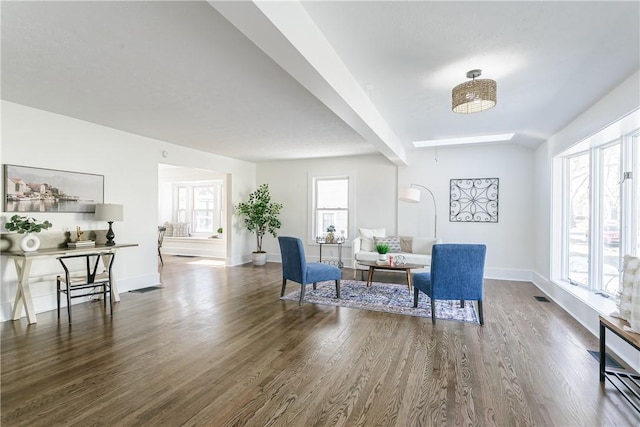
(28, 226)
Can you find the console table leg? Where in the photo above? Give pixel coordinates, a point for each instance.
(603, 351)
(23, 292)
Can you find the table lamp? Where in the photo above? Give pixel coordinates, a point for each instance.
(110, 213)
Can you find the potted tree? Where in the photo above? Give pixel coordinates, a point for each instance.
(28, 226)
(260, 216)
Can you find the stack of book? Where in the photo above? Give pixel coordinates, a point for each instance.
(82, 244)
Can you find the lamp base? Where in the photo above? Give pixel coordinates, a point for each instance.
(110, 235)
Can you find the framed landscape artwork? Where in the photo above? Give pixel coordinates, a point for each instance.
(28, 189)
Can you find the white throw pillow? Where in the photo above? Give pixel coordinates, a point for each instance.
(367, 235)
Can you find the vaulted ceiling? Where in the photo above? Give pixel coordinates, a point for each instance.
(262, 81)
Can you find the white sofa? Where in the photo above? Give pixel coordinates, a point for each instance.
(416, 250)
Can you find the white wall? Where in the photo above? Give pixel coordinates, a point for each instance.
(377, 182)
(129, 163)
(510, 240)
(374, 181)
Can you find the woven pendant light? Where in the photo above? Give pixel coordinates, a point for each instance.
(474, 96)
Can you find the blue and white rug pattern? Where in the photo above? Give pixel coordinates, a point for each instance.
(385, 297)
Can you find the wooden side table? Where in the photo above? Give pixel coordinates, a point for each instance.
(624, 381)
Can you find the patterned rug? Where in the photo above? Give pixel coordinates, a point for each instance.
(389, 298)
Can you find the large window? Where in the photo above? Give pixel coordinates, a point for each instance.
(600, 207)
(331, 206)
(199, 205)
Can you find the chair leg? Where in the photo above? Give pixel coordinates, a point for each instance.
(301, 294)
(69, 302)
(338, 288)
(461, 303)
(480, 313)
(415, 297)
(433, 311)
(160, 255)
(284, 286)
(58, 292)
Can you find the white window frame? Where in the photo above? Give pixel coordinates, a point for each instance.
(190, 210)
(312, 191)
(628, 139)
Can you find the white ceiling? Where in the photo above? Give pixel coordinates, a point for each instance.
(290, 80)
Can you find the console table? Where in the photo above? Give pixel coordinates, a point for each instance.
(339, 243)
(627, 382)
(23, 261)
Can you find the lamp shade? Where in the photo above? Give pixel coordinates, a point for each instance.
(474, 96)
(109, 212)
(411, 195)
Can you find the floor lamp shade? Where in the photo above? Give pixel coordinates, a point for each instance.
(411, 195)
(109, 213)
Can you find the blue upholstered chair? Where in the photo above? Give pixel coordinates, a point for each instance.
(295, 267)
(457, 272)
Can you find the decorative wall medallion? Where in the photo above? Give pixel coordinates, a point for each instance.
(473, 200)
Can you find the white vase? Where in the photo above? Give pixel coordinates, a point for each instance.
(383, 257)
(259, 258)
(30, 242)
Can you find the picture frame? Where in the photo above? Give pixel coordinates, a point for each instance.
(473, 200)
(32, 189)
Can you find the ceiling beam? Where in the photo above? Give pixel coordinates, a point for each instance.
(286, 33)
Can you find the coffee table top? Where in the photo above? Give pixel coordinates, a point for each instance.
(406, 266)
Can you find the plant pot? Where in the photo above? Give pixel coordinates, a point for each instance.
(30, 242)
(259, 258)
(383, 257)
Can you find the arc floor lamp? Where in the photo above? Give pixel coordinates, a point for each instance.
(412, 195)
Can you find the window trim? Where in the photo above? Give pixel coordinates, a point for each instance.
(312, 190)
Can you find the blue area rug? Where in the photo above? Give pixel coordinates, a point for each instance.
(385, 297)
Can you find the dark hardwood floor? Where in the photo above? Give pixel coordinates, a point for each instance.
(216, 347)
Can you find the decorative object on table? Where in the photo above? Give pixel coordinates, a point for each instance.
(399, 260)
(383, 250)
(29, 227)
(412, 195)
(384, 297)
(260, 216)
(330, 237)
(474, 96)
(456, 273)
(219, 231)
(81, 244)
(29, 189)
(474, 200)
(295, 267)
(110, 213)
(79, 234)
(628, 305)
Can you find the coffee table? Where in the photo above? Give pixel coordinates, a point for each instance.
(405, 267)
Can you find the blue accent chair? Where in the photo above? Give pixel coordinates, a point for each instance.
(295, 267)
(457, 272)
